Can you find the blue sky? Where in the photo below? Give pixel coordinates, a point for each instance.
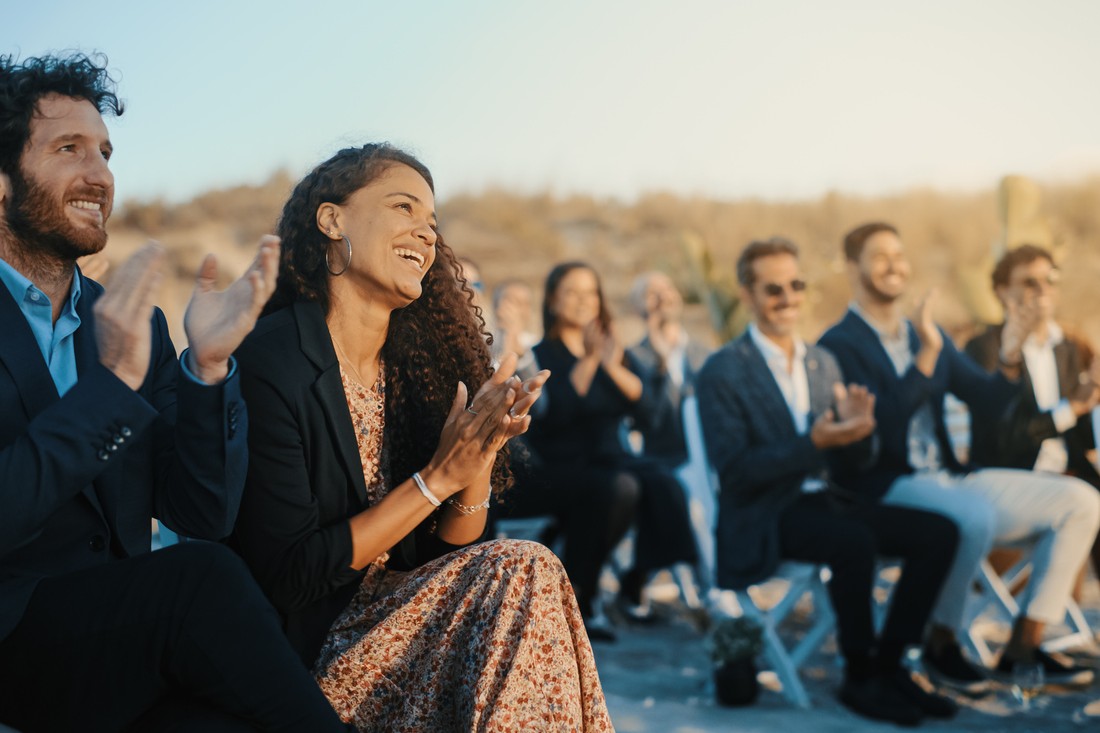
(776, 98)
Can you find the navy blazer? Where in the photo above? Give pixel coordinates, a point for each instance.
(659, 413)
(81, 475)
(760, 458)
(864, 360)
(1015, 443)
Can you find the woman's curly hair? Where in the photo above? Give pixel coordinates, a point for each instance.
(432, 344)
(23, 84)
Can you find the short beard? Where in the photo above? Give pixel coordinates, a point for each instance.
(877, 295)
(38, 228)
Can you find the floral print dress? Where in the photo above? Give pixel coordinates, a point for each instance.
(487, 638)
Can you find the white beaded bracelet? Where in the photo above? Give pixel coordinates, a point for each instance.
(425, 491)
(467, 509)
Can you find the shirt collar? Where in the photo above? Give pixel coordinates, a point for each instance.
(21, 288)
(1055, 336)
(771, 350)
(878, 327)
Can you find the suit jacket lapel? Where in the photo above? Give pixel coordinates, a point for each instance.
(1067, 379)
(329, 390)
(761, 384)
(20, 354)
(821, 391)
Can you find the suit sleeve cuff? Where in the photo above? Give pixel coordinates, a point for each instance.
(1063, 415)
(190, 375)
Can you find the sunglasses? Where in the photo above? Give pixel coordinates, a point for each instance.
(774, 290)
(1034, 283)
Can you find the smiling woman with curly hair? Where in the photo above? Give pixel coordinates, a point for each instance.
(370, 476)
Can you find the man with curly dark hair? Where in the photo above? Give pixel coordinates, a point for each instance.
(104, 428)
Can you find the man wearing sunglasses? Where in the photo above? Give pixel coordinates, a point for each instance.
(910, 366)
(1050, 428)
(775, 415)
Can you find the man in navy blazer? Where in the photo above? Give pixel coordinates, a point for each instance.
(775, 413)
(105, 428)
(910, 367)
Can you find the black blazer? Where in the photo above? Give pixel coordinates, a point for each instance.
(305, 479)
(760, 459)
(659, 414)
(81, 475)
(576, 430)
(1015, 442)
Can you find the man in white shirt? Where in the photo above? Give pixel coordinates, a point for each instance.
(1050, 427)
(777, 419)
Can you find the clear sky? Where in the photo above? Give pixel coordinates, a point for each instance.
(770, 98)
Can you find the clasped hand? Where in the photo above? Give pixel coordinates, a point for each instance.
(851, 421)
(472, 435)
(215, 322)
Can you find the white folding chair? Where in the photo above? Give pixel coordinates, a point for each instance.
(994, 597)
(799, 579)
(796, 580)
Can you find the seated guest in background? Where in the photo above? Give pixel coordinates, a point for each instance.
(594, 486)
(514, 316)
(470, 277)
(370, 474)
(909, 367)
(104, 427)
(667, 361)
(1050, 426)
(775, 412)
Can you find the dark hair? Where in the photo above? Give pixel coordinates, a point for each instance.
(303, 272)
(553, 282)
(1025, 254)
(855, 239)
(432, 344)
(757, 249)
(22, 85)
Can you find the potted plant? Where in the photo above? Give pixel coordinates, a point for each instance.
(734, 645)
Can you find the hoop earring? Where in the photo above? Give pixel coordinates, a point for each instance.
(347, 264)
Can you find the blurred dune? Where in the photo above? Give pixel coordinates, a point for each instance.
(952, 240)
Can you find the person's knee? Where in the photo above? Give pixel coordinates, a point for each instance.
(976, 527)
(943, 536)
(855, 546)
(212, 573)
(624, 491)
(1087, 501)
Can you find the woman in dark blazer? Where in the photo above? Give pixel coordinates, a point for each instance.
(370, 474)
(599, 490)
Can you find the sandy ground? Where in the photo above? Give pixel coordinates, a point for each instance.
(657, 679)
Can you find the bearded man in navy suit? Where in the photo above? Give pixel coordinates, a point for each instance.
(104, 428)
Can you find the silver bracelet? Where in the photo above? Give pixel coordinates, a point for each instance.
(425, 491)
(466, 508)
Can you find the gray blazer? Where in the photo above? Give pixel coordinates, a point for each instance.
(659, 413)
(760, 459)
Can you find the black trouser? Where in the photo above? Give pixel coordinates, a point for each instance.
(181, 639)
(819, 529)
(596, 505)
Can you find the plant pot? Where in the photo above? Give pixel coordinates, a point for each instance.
(735, 683)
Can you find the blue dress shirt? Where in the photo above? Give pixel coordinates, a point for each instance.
(55, 340)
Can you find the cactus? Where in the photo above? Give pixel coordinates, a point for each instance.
(715, 287)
